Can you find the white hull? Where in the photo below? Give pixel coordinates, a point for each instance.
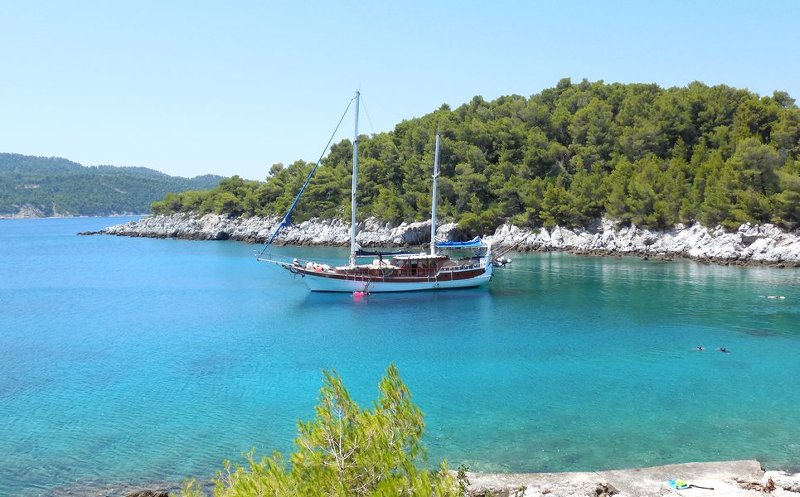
(321, 283)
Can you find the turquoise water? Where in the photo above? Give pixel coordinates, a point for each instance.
(136, 360)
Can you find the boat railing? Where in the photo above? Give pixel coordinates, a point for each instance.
(461, 267)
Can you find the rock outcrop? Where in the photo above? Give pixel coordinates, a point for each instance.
(149, 493)
(327, 232)
(759, 244)
(750, 244)
(730, 478)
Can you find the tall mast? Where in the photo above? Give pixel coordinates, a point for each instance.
(434, 195)
(353, 244)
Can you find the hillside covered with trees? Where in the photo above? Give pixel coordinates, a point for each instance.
(49, 186)
(636, 153)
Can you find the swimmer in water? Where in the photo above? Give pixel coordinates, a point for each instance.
(724, 350)
(699, 347)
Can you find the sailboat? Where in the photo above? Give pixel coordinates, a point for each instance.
(458, 265)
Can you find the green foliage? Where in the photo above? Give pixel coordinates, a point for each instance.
(463, 479)
(55, 186)
(558, 206)
(345, 451)
(637, 153)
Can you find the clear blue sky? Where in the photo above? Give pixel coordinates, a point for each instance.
(195, 87)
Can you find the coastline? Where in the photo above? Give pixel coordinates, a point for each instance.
(728, 478)
(4, 217)
(750, 245)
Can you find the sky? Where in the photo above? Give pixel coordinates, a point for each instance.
(196, 87)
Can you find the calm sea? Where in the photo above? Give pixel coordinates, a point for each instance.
(137, 360)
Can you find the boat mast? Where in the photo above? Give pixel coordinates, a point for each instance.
(434, 195)
(353, 244)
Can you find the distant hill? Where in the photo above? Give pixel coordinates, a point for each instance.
(51, 186)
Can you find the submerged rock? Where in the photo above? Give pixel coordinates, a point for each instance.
(149, 493)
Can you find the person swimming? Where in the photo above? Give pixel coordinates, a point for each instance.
(724, 350)
(699, 347)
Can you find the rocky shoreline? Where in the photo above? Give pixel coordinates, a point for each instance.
(729, 478)
(759, 245)
(762, 245)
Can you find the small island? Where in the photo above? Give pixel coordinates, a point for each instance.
(710, 173)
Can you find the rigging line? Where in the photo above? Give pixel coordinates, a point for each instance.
(364, 106)
(287, 218)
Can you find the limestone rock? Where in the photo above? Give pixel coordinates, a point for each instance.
(764, 244)
(750, 244)
(785, 481)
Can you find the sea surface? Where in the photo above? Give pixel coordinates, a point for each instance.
(129, 360)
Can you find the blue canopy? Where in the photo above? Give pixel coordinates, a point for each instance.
(475, 242)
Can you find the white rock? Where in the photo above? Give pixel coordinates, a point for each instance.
(787, 482)
(759, 243)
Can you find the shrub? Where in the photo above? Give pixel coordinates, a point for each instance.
(346, 451)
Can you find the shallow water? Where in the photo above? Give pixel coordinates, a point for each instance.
(134, 360)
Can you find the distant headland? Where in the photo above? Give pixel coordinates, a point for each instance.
(54, 187)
